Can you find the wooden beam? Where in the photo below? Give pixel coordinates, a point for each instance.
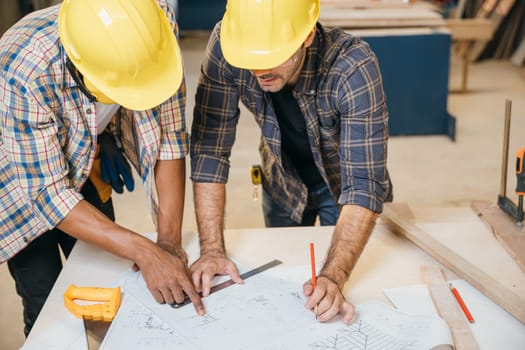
(518, 57)
(380, 18)
(496, 16)
(470, 29)
(507, 298)
(511, 236)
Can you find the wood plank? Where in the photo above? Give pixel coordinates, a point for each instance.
(487, 7)
(381, 32)
(504, 282)
(466, 31)
(460, 8)
(470, 29)
(518, 57)
(511, 236)
(448, 308)
(363, 3)
(497, 16)
(380, 18)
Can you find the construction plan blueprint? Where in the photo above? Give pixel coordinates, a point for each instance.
(265, 313)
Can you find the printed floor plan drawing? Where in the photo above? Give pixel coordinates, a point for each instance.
(265, 313)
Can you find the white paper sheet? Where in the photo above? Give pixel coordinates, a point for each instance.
(494, 328)
(268, 313)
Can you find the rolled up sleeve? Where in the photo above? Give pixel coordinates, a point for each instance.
(215, 118)
(174, 140)
(364, 136)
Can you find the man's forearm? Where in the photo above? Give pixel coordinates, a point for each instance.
(87, 223)
(209, 199)
(351, 233)
(170, 177)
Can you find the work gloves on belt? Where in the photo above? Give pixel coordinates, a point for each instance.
(114, 167)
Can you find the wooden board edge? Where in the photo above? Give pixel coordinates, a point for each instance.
(503, 228)
(511, 302)
(448, 308)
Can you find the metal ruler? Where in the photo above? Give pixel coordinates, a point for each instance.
(230, 282)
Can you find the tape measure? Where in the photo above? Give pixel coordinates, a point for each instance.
(256, 176)
(105, 306)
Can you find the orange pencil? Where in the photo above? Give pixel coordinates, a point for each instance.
(312, 261)
(461, 303)
(314, 274)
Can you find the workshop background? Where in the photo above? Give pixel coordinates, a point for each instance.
(448, 68)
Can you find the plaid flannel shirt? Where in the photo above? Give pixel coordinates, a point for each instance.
(340, 94)
(48, 132)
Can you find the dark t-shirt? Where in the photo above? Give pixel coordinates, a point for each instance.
(294, 139)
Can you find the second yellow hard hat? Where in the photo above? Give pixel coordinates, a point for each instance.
(262, 34)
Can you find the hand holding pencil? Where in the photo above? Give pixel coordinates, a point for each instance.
(324, 296)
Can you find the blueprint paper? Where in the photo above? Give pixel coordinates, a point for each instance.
(138, 328)
(376, 326)
(268, 313)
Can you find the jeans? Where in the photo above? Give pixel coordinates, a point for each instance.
(320, 204)
(36, 268)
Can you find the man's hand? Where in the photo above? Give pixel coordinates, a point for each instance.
(168, 278)
(114, 167)
(178, 252)
(354, 226)
(329, 300)
(207, 266)
(175, 250)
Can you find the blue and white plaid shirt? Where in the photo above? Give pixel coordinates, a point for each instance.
(48, 132)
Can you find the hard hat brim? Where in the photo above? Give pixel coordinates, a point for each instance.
(255, 59)
(259, 35)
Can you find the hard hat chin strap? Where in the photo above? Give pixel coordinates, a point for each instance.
(78, 78)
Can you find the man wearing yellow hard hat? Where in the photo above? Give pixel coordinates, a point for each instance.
(317, 96)
(77, 80)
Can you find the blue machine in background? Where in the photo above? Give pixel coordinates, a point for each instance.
(200, 14)
(415, 69)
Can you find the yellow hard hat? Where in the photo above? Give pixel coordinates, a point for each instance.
(262, 34)
(126, 49)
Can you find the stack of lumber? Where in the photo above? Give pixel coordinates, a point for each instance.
(365, 14)
(395, 14)
(506, 18)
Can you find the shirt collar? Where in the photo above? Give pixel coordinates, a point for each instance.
(68, 81)
(308, 80)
